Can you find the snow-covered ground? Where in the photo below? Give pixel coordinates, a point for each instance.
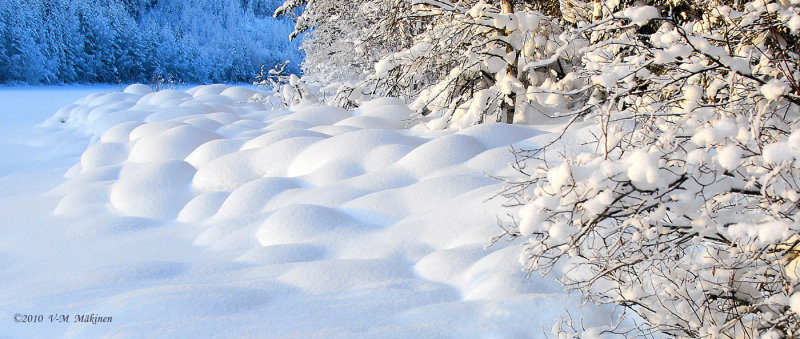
(206, 213)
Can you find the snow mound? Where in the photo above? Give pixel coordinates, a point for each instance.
(328, 276)
(253, 196)
(318, 211)
(175, 143)
(153, 190)
(297, 224)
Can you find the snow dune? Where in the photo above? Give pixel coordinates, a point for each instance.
(207, 213)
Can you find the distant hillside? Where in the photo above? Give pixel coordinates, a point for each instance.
(112, 41)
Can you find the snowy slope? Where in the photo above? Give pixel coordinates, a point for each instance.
(208, 213)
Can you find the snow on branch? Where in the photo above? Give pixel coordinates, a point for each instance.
(682, 204)
(673, 189)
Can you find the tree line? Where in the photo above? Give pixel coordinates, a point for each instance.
(124, 41)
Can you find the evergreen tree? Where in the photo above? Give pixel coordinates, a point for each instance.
(24, 52)
(55, 41)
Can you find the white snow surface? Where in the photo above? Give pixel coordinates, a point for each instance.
(205, 213)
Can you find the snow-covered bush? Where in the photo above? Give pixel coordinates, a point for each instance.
(680, 202)
(682, 206)
(470, 61)
(344, 39)
(472, 64)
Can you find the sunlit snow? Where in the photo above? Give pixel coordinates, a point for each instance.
(209, 213)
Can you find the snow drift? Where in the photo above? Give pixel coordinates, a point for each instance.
(207, 212)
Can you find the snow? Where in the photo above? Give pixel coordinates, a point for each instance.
(643, 170)
(729, 157)
(158, 189)
(559, 176)
(640, 15)
(179, 213)
(763, 233)
(773, 89)
(777, 152)
(794, 24)
(173, 144)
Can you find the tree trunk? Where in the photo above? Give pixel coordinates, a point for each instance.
(507, 7)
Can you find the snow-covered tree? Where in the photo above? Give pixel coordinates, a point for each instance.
(343, 40)
(22, 42)
(486, 62)
(682, 205)
(56, 41)
(469, 61)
